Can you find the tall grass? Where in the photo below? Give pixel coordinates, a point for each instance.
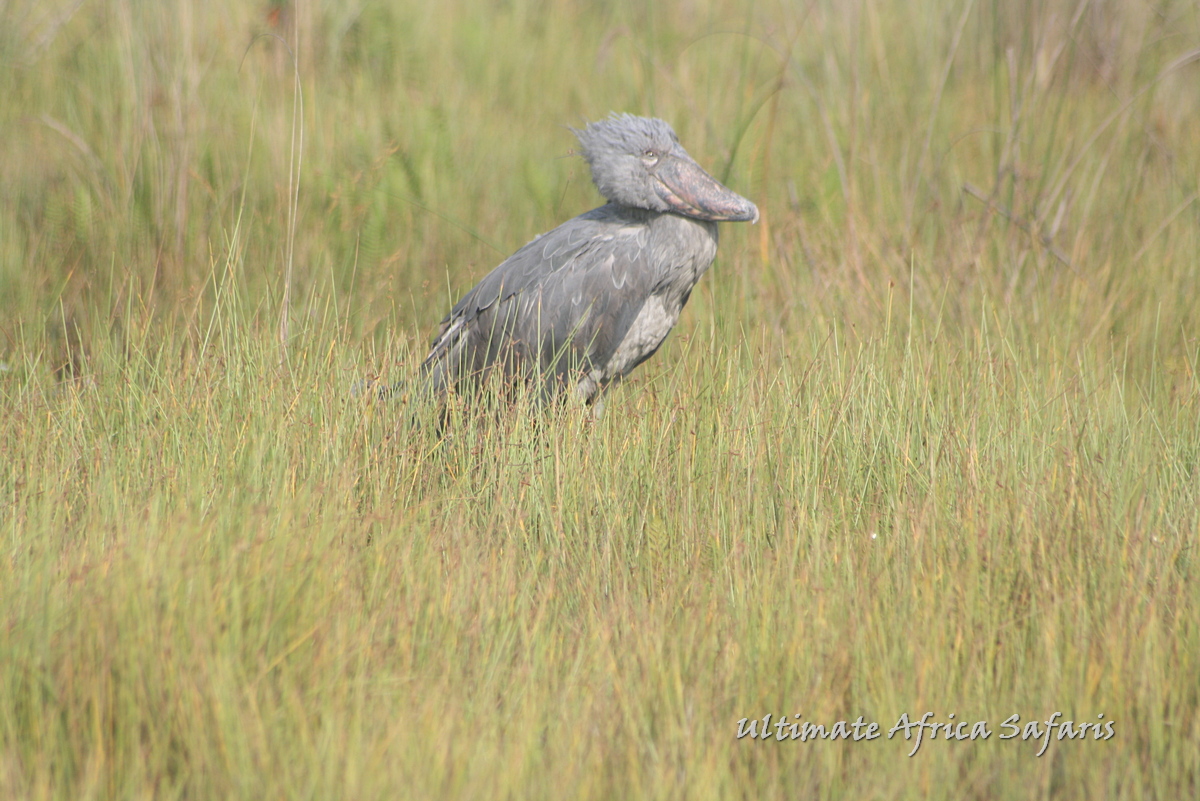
(927, 438)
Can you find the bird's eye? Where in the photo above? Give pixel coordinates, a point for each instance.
(650, 155)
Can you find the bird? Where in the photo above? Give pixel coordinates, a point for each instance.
(580, 307)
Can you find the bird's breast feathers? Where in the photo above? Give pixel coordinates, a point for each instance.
(648, 330)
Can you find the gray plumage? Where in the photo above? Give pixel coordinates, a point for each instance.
(583, 305)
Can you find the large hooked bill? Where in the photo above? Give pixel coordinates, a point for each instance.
(688, 190)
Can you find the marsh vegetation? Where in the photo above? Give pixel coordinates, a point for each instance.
(926, 438)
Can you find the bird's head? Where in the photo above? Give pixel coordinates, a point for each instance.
(638, 161)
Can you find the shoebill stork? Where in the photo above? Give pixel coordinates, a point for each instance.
(583, 305)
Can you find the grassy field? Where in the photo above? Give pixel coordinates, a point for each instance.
(926, 440)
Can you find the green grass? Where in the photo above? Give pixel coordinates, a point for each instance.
(927, 438)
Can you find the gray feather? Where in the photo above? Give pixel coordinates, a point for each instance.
(586, 303)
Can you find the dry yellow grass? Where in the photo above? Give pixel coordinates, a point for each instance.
(927, 439)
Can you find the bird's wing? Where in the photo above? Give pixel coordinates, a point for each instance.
(583, 281)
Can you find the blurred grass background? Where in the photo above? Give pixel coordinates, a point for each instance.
(927, 438)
